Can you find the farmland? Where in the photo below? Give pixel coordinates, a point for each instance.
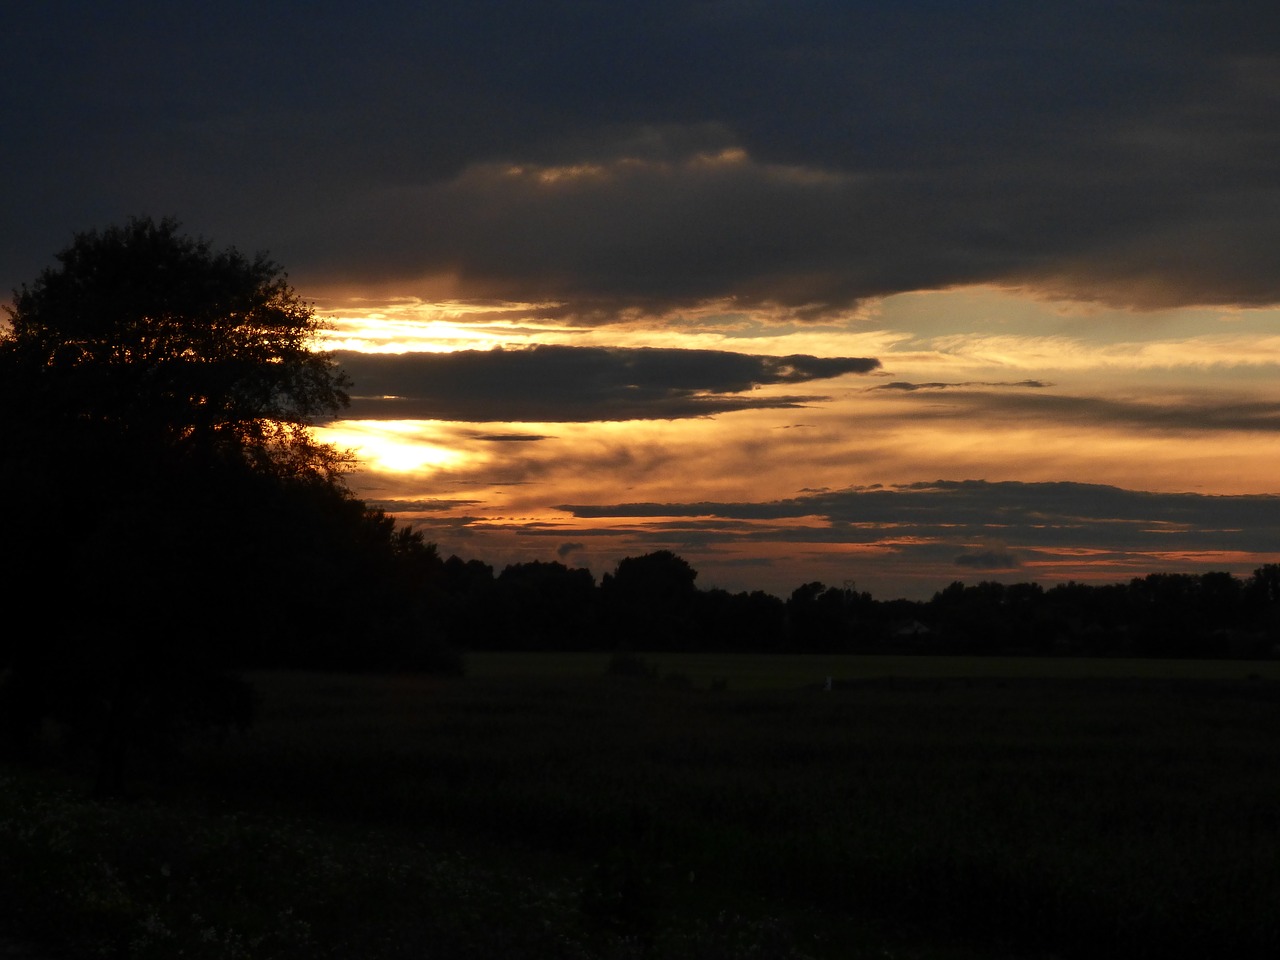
(780, 671)
(680, 806)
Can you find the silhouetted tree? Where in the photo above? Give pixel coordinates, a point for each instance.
(822, 618)
(166, 510)
(466, 607)
(144, 338)
(992, 617)
(742, 622)
(1220, 599)
(1264, 586)
(1168, 615)
(546, 606)
(650, 601)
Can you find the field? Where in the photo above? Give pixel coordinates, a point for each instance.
(574, 806)
(781, 672)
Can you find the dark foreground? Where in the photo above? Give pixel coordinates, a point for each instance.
(620, 817)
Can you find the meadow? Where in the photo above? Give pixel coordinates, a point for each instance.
(584, 806)
(749, 671)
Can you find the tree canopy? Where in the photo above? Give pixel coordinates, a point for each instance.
(144, 337)
(166, 511)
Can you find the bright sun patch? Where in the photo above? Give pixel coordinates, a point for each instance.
(393, 446)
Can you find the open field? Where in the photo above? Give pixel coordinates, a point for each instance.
(538, 808)
(779, 672)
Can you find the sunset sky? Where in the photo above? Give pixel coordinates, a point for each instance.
(892, 293)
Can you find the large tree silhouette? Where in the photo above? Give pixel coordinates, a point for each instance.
(166, 510)
(650, 601)
(154, 343)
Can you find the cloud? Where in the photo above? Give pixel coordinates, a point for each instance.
(905, 387)
(992, 558)
(562, 384)
(656, 156)
(1200, 352)
(1160, 413)
(1026, 515)
(422, 506)
(566, 550)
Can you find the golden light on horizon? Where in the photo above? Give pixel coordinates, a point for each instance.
(392, 446)
(375, 334)
(1021, 390)
(445, 326)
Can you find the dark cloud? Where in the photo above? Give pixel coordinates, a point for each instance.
(566, 550)
(905, 387)
(561, 384)
(422, 506)
(662, 154)
(1165, 414)
(1025, 515)
(989, 559)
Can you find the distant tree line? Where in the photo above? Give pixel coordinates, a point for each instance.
(652, 603)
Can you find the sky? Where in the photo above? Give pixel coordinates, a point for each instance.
(884, 295)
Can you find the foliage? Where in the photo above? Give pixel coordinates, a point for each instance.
(651, 602)
(546, 605)
(151, 340)
(168, 515)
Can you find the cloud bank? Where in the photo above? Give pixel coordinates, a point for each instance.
(551, 384)
(652, 157)
(1049, 516)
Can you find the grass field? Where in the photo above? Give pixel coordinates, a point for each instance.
(720, 807)
(769, 671)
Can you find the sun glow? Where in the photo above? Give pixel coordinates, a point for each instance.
(392, 446)
(446, 326)
(412, 324)
(376, 334)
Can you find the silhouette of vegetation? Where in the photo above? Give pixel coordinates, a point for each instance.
(144, 340)
(652, 603)
(547, 604)
(168, 515)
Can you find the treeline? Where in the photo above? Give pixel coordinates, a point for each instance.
(652, 603)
